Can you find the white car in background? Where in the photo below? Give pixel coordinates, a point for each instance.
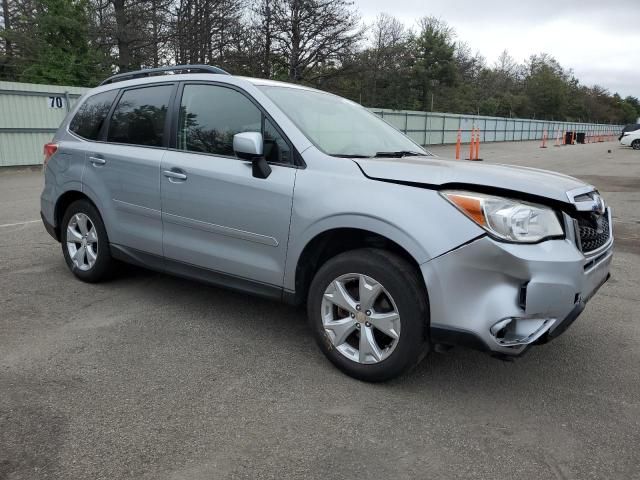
(631, 139)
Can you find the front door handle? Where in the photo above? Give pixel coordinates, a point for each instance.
(175, 175)
(97, 161)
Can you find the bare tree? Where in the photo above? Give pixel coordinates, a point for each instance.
(388, 36)
(123, 35)
(264, 26)
(206, 29)
(310, 33)
(134, 32)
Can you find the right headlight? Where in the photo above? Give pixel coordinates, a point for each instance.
(508, 219)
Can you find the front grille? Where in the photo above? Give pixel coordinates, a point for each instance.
(593, 230)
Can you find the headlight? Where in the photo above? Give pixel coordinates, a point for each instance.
(506, 218)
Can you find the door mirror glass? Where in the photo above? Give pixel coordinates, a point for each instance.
(248, 145)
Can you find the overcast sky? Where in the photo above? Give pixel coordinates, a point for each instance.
(598, 39)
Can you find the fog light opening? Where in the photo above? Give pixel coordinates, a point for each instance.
(510, 332)
(499, 330)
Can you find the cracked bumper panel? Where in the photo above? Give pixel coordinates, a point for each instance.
(504, 297)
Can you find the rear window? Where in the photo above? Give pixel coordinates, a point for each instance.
(91, 115)
(139, 117)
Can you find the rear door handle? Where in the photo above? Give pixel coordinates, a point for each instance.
(97, 161)
(176, 175)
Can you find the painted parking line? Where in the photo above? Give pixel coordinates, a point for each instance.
(19, 223)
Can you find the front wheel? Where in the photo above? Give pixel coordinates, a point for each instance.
(635, 144)
(85, 244)
(368, 311)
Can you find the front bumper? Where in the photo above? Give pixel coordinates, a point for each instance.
(503, 298)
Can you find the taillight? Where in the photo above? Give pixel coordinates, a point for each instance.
(49, 149)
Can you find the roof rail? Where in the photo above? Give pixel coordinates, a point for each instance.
(147, 72)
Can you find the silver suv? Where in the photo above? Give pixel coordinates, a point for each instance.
(302, 196)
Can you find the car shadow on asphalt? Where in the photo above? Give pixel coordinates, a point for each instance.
(459, 369)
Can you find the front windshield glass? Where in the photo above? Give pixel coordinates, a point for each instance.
(338, 126)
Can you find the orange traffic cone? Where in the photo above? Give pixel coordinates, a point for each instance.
(458, 142)
(477, 153)
(471, 145)
(544, 139)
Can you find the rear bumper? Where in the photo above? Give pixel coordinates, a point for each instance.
(49, 228)
(503, 298)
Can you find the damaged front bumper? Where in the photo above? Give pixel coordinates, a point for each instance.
(502, 298)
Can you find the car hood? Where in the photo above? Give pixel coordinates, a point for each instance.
(438, 172)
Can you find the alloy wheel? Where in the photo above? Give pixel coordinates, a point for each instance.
(82, 241)
(360, 318)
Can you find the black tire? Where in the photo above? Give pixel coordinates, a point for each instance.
(104, 264)
(401, 280)
(635, 144)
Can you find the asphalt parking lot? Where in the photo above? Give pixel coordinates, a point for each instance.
(155, 377)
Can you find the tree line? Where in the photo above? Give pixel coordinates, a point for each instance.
(321, 43)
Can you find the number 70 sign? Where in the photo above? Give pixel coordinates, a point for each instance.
(55, 102)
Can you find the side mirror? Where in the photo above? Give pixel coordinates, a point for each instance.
(249, 146)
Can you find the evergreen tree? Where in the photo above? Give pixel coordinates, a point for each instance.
(52, 45)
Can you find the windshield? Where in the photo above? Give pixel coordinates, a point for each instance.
(340, 127)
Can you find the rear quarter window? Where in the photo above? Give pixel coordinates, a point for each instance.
(89, 118)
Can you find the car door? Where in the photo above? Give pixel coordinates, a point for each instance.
(123, 171)
(216, 214)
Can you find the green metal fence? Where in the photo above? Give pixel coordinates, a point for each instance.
(30, 114)
(435, 128)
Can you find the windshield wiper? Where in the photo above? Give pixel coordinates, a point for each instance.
(399, 154)
(347, 155)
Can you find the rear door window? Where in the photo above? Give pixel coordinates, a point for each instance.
(139, 118)
(88, 121)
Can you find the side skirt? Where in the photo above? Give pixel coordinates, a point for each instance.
(193, 272)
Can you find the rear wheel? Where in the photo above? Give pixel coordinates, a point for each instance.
(369, 314)
(635, 144)
(85, 244)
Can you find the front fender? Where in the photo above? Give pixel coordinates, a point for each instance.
(417, 219)
(362, 222)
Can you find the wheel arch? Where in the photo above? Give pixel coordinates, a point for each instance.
(63, 202)
(330, 242)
